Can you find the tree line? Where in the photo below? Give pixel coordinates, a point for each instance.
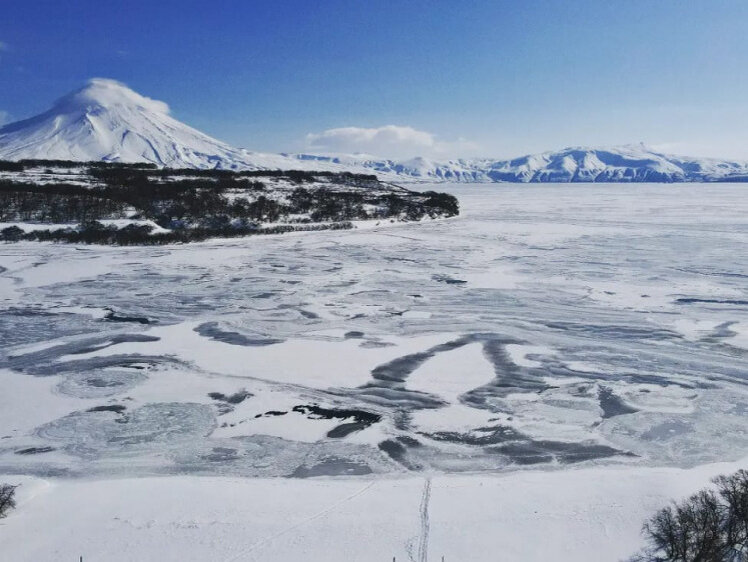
(205, 201)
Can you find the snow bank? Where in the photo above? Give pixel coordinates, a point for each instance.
(580, 515)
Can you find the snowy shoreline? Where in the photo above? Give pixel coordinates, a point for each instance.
(527, 515)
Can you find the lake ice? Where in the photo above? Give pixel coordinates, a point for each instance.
(548, 327)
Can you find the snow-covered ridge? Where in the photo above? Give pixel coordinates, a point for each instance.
(106, 120)
(634, 163)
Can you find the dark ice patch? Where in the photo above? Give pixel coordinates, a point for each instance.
(389, 384)
(113, 316)
(220, 454)
(271, 413)
(35, 361)
(317, 412)
(98, 382)
(395, 450)
(361, 418)
(448, 280)
(332, 466)
(480, 437)
(524, 452)
(731, 302)
(375, 344)
(345, 429)
(116, 408)
(534, 452)
(212, 331)
(115, 340)
(35, 450)
(399, 369)
(263, 295)
(236, 398)
(724, 330)
(24, 326)
(409, 441)
(384, 395)
(97, 364)
(613, 405)
(615, 332)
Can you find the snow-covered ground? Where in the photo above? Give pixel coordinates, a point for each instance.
(580, 515)
(528, 381)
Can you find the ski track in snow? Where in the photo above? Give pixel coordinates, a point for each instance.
(423, 541)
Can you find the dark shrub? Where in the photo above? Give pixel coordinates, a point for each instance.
(7, 166)
(11, 234)
(443, 202)
(7, 499)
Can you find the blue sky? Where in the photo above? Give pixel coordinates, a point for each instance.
(494, 78)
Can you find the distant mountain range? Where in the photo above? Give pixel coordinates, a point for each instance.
(105, 120)
(617, 164)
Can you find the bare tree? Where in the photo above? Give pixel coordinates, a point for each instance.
(688, 532)
(709, 526)
(733, 491)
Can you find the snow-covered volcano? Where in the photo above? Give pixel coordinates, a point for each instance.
(106, 120)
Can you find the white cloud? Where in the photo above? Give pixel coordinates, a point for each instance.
(108, 92)
(391, 141)
(4, 117)
(3, 46)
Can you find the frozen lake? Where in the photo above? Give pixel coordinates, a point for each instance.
(599, 331)
(548, 325)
